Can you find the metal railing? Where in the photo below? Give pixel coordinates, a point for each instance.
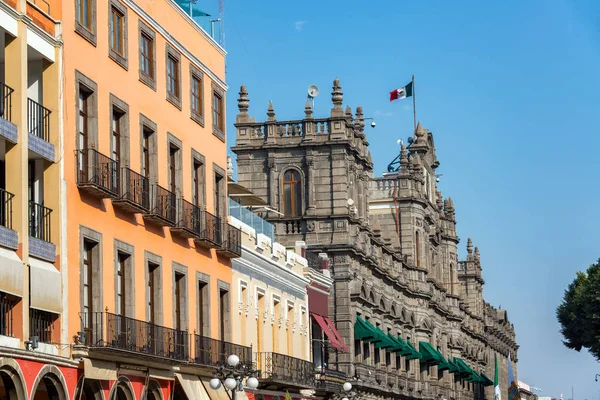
(6, 208)
(6, 317)
(135, 188)
(279, 367)
(5, 101)
(210, 228)
(189, 216)
(241, 213)
(41, 325)
(212, 351)
(124, 333)
(38, 120)
(211, 25)
(232, 241)
(163, 203)
(39, 221)
(95, 168)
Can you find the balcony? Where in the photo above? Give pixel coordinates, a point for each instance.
(232, 242)
(188, 221)
(97, 174)
(241, 213)
(7, 304)
(8, 237)
(163, 207)
(211, 25)
(38, 123)
(210, 233)
(8, 130)
(134, 193)
(214, 352)
(329, 379)
(109, 331)
(279, 369)
(39, 221)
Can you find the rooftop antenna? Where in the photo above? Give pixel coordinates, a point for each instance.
(313, 91)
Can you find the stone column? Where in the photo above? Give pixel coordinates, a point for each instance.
(310, 183)
(273, 184)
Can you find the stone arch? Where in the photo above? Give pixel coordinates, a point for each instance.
(54, 380)
(372, 297)
(152, 391)
(303, 191)
(363, 292)
(12, 378)
(92, 389)
(394, 311)
(122, 389)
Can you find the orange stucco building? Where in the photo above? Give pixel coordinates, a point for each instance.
(133, 196)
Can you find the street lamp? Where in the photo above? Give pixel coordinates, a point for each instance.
(346, 393)
(232, 373)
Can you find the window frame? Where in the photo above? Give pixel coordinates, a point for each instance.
(173, 55)
(118, 106)
(88, 32)
(154, 304)
(198, 185)
(145, 30)
(125, 250)
(180, 314)
(295, 210)
(121, 58)
(197, 114)
(218, 117)
(203, 308)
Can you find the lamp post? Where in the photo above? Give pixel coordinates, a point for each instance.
(232, 373)
(347, 393)
(597, 375)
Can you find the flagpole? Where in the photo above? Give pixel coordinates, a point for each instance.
(414, 95)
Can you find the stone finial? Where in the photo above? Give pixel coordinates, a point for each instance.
(477, 255)
(348, 112)
(438, 199)
(337, 97)
(229, 167)
(271, 112)
(403, 157)
(359, 122)
(420, 133)
(469, 246)
(308, 111)
(243, 100)
(369, 158)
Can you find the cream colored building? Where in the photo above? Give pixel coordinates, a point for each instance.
(270, 309)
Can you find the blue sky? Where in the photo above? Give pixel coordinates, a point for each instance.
(510, 91)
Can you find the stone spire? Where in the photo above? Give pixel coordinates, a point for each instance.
(271, 112)
(337, 98)
(359, 122)
(420, 135)
(308, 111)
(403, 158)
(348, 112)
(243, 105)
(477, 256)
(229, 167)
(469, 246)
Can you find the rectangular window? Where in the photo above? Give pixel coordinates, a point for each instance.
(88, 281)
(198, 179)
(218, 120)
(173, 152)
(115, 140)
(147, 55)
(197, 106)
(219, 193)
(122, 277)
(7, 303)
(82, 108)
(85, 19)
(116, 27)
(41, 324)
(146, 153)
(149, 149)
(84, 13)
(152, 292)
(172, 77)
(224, 314)
(203, 309)
(179, 300)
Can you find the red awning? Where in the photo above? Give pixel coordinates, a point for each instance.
(336, 333)
(327, 331)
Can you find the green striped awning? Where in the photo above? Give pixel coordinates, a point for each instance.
(486, 381)
(411, 353)
(385, 342)
(363, 330)
(430, 355)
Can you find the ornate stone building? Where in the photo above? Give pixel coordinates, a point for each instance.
(412, 309)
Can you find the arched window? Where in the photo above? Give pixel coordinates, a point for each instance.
(292, 193)
(417, 252)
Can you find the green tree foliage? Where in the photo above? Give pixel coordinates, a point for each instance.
(579, 312)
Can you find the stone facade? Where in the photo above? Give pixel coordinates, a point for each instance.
(392, 245)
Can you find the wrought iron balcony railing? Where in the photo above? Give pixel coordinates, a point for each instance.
(134, 192)
(104, 329)
(209, 231)
(6, 314)
(232, 242)
(97, 173)
(163, 206)
(285, 369)
(39, 221)
(213, 352)
(38, 118)
(41, 324)
(188, 220)
(5, 101)
(6, 208)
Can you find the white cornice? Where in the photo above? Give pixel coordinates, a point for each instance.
(319, 278)
(173, 42)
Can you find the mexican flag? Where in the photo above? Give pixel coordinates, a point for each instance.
(402, 93)
(496, 382)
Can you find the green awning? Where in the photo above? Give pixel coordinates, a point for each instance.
(385, 342)
(486, 381)
(400, 344)
(475, 377)
(363, 330)
(463, 368)
(411, 353)
(430, 355)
